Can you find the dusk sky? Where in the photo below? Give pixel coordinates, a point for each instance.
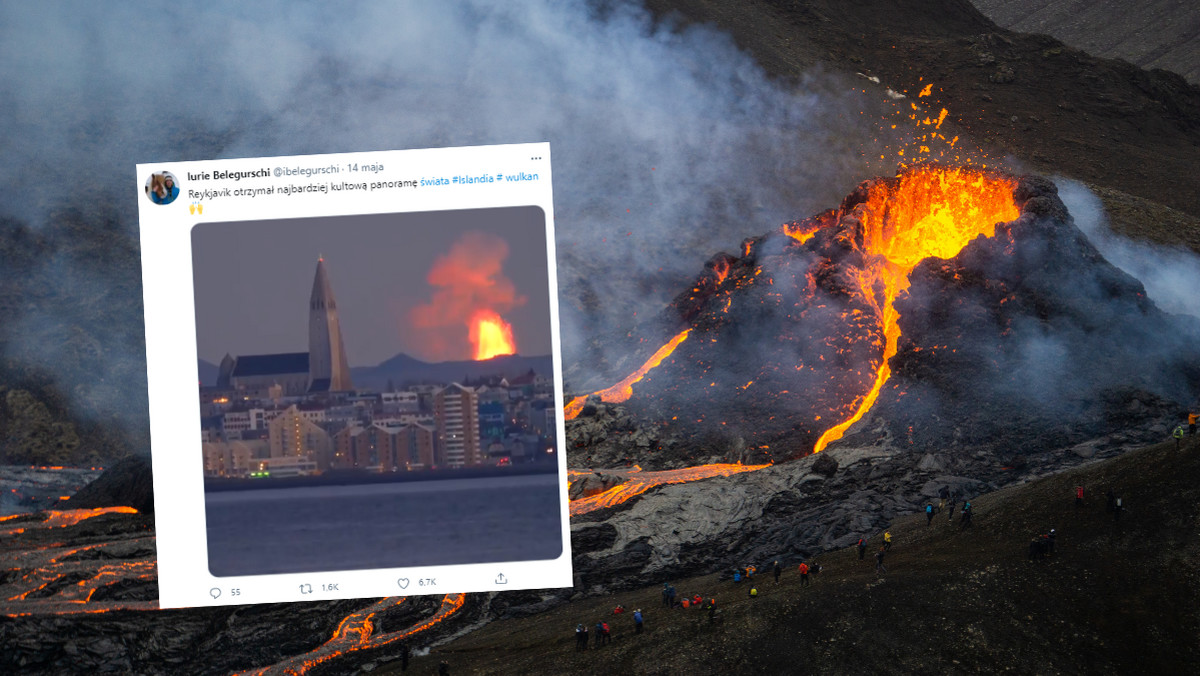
(253, 281)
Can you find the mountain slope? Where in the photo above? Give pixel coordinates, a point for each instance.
(1053, 108)
(1154, 34)
(1117, 596)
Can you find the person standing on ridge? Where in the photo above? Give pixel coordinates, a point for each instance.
(581, 637)
(1036, 548)
(953, 503)
(605, 634)
(879, 567)
(777, 569)
(803, 574)
(966, 514)
(1192, 419)
(597, 634)
(862, 548)
(887, 540)
(1118, 507)
(1178, 434)
(666, 595)
(928, 514)
(1079, 496)
(637, 621)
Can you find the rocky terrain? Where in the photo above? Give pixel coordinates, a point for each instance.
(77, 594)
(1117, 596)
(801, 508)
(1026, 338)
(29, 489)
(1158, 34)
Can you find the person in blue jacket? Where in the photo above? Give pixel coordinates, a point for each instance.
(168, 193)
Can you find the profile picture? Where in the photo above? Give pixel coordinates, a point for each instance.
(162, 188)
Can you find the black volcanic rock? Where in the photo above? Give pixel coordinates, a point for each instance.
(591, 484)
(825, 465)
(1026, 336)
(1039, 342)
(128, 483)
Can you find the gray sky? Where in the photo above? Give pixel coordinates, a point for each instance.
(253, 281)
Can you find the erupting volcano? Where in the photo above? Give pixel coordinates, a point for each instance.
(491, 336)
(971, 282)
(927, 213)
(864, 253)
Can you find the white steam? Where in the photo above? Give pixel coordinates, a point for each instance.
(668, 145)
(1171, 275)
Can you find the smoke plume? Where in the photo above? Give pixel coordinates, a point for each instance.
(469, 287)
(1171, 274)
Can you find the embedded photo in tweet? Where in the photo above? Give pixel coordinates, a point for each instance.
(355, 375)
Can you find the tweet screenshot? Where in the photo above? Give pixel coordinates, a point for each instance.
(354, 374)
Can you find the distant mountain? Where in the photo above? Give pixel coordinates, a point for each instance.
(403, 369)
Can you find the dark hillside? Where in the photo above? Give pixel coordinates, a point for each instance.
(1117, 596)
(1053, 107)
(1151, 33)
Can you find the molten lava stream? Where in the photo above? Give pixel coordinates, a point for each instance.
(623, 390)
(355, 632)
(928, 212)
(62, 519)
(639, 482)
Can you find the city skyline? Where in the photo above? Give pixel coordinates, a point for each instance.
(253, 280)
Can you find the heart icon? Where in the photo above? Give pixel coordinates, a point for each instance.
(403, 582)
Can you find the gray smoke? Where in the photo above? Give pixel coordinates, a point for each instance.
(667, 144)
(1171, 275)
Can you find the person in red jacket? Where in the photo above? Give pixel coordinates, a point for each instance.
(1079, 496)
(803, 574)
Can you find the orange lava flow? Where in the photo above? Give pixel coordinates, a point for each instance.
(639, 482)
(623, 390)
(722, 271)
(40, 588)
(799, 232)
(929, 212)
(491, 335)
(69, 517)
(356, 632)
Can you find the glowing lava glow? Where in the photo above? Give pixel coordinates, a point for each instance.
(722, 271)
(491, 336)
(623, 390)
(60, 579)
(357, 632)
(800, 231)
(639, 482)
(70, 517)
(927, 212)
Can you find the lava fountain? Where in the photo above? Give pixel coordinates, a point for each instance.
(929, 212)
(491, 336)
(791, 341)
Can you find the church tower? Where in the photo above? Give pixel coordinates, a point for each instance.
(327, 366)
